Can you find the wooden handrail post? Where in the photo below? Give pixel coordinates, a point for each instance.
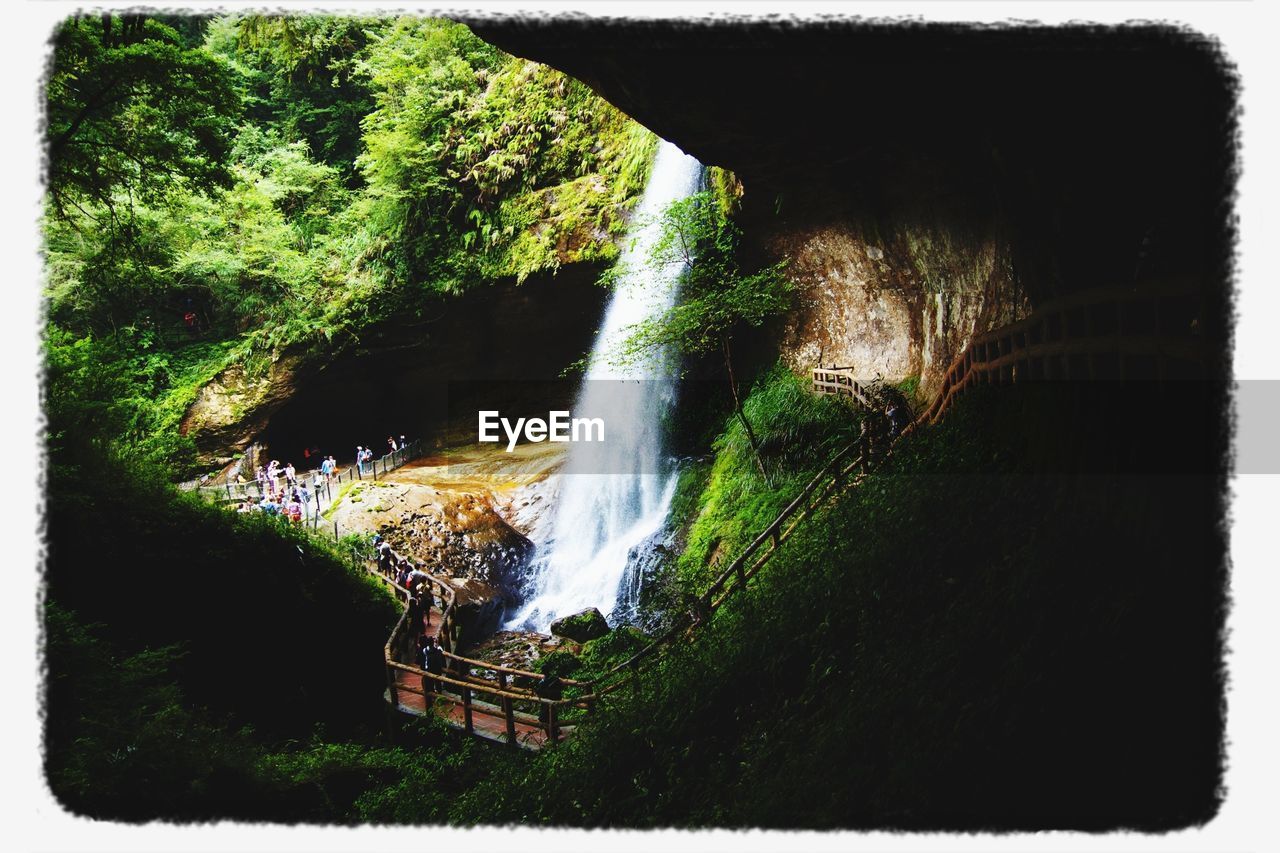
(508, 711)
(391, 687)
(466, 711)
(553, 727)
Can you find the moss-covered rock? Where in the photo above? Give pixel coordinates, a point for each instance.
(582, 626)
(560, 664)
(614, 648)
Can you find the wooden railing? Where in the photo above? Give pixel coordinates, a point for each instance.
(832, 379)
(1074, 330)
(323, 498)
(468, 677)
(383, 465)
(1093, 335)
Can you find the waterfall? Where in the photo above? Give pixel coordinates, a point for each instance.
(614, 497)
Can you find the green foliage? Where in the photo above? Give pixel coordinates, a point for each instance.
(298, 77)
(726, 188)
(480, 165)
(184, 642)
(122, 741)
(129, 389)
(377, 165)
(910, 387)
(615, 647)
(133, 114)
(862, 678)
(796, 431)
(559, 663)
(717, 296)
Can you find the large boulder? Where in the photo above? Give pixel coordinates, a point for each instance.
(582, 626)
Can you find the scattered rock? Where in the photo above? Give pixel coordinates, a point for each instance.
(581, 627)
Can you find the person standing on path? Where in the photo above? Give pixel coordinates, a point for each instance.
(433, 662)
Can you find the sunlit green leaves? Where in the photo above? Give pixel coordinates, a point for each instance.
(133, 112)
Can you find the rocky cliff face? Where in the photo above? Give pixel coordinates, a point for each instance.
(931, 182)
(900, 304)
(397, 377)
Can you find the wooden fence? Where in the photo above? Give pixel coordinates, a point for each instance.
(1148, 334)
(324, 497)
(1097, 334)
(465, 678)
(832, 379)
(381, 466)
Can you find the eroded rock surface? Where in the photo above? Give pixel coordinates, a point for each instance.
(519, 649)
(581, 627)
(897, 304)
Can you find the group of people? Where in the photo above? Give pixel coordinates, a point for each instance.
(418, 616)
(292, 499)
(364, 455)
(430, 654)
(293, 496)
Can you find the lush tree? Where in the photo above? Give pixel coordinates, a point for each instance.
(481, 165)
(133, 111)
(221, 189)
(717, 296)
(299, 77)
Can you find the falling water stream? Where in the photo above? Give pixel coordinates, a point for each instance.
(614, 496)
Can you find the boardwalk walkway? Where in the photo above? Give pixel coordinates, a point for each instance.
(325, 497)
(1094, 335)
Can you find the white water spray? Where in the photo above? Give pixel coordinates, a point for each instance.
(600, 517)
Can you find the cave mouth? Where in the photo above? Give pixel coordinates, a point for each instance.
(503, 346)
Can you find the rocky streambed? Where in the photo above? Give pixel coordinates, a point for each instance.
(471, 516)
(468, 514)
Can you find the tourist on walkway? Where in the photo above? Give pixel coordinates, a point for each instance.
(414, 612)
(432, 662)
(291, 474)
(550, 687)
(327, 468)
(417, 576)
(391, 442)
